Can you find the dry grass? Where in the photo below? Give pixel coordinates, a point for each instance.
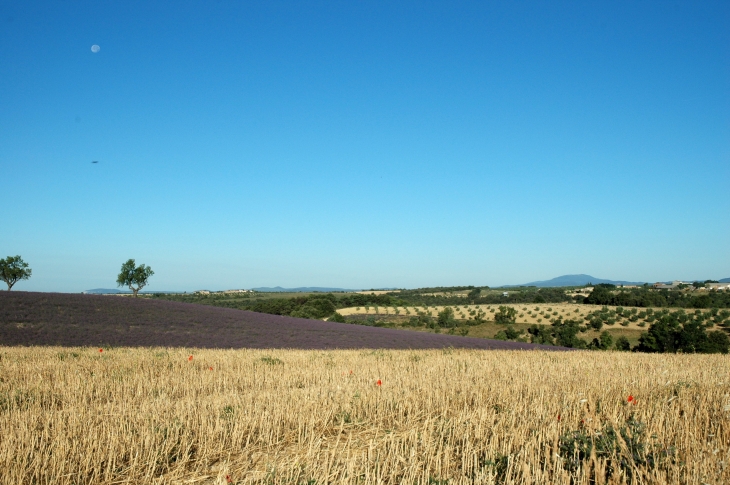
(77, 416)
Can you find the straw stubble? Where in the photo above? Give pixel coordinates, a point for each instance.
(128, 415)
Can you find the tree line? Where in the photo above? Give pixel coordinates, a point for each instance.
(606, 294)
(314, 306)
(483, 296)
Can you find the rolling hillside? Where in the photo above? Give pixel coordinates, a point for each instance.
(91, 320)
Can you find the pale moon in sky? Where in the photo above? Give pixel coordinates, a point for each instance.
(95, 48)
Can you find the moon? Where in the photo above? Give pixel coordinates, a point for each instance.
(95, 48)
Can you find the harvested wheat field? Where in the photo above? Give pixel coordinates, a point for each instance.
(164, 415)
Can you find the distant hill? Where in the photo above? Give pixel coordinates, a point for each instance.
(724, 280)
(302, 289)
(576, 280)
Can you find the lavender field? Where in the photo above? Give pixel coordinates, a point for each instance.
(89, 320)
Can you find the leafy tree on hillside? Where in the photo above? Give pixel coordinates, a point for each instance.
(474, 294)
(563, 333)
(541, 334)
(421, 320)
(316, 307)
(338, 317)
(505, 315)
(478, 317)
(131, 275)
(446, 318)
(566, 334)
(14, 269)
(508, 333)
(605, 342)
(622, 343)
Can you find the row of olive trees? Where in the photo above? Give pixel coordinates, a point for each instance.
(14, 269)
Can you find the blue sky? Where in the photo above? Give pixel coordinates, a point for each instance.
(364, 144)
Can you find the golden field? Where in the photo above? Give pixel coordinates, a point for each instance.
(130, 415)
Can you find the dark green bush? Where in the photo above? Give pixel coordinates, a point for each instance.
(674, 332)
(505, 316)
(337, 317)
(623, 344)
(446, 318)
(508, 333)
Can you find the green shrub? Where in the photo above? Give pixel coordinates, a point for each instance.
(672, 332)
(541, 334)
(625, 450)
(508, 333)
(505, 316)
(337, 317)
(446, 318)
(622, 343)
(315, 308)
(478, 318)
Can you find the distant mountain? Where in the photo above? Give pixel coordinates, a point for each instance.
(576, 280)
(724, 280)
(303, 289)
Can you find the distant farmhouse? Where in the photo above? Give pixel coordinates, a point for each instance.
(716, 286)
(670, 286)
(698, 286)
(585, 291)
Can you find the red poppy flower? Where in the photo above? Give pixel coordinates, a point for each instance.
(631, 399)
(190, 358)
(379, 383)
(350, 372)
(210, 368)
(558, 417)
(228, 479)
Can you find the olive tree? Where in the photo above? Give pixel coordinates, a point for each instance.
(14, 269)
(506, 315)
(446, 318)
(134, 275)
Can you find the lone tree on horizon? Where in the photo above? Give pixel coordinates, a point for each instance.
(14, 269)
(134, 275)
